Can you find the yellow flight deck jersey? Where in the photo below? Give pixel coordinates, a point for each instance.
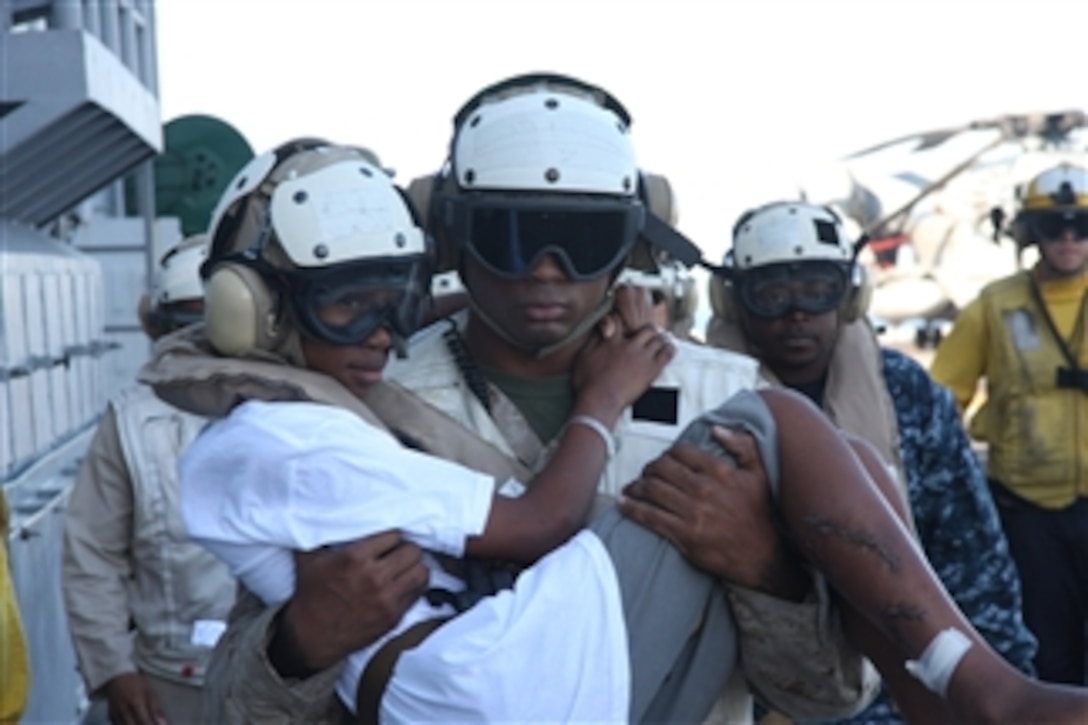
(1037, 431)
(14, 668)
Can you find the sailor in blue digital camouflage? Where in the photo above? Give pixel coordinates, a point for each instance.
(793, 296)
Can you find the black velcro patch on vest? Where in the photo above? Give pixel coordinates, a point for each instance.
(658, 405)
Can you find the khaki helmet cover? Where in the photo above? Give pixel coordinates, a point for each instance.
(300, 208)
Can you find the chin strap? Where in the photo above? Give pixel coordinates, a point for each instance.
(290, 348)
(400, 344)
(539, 353)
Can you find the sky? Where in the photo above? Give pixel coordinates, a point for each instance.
(733, 100)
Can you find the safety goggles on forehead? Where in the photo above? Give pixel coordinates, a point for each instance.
(1051, 226)
(509, 236)
(345, 306)
(813, 287)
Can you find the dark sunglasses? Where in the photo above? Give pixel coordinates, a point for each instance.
(1052, 226)
(509, 237)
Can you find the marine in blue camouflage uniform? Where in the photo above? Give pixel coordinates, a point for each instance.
(792, 298)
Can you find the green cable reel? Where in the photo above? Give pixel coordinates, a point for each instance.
(201, 154)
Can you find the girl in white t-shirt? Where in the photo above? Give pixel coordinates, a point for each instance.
(277, 477)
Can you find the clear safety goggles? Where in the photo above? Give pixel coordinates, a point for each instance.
(1050, 226)
(347, 304)
(813, 287)
(510, 235)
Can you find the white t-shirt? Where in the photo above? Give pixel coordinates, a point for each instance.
(273, 478)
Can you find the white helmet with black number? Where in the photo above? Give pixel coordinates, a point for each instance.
(787, 256)
(313, 239)
(789, 232)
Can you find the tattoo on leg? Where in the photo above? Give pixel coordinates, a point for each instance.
(891, 617)
(860, 539)
(902, 611)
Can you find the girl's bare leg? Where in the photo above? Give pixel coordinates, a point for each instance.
(849, 530)
(916, 703)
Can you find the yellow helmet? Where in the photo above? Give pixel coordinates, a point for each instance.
(1061, 187)
(1050, 202)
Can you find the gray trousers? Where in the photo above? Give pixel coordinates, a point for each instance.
(681, 635)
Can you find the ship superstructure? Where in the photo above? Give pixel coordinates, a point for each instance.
(79, 125)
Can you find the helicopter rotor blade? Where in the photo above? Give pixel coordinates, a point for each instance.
(924, 140)
(881, 226)
(1053, 126)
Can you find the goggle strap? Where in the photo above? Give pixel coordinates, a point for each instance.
(580, 329)
(539, 353)
(400, 344)
(662, 235)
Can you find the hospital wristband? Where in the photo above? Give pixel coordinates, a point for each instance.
(599, 428)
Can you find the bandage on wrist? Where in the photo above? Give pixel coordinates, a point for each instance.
(935, 666)
(599, 428)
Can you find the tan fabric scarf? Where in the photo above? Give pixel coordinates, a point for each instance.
(188, 374)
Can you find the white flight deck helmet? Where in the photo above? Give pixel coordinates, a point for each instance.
(301, 228)
(543, 164)
(778, 239)
(176, 279)
(539, 164)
